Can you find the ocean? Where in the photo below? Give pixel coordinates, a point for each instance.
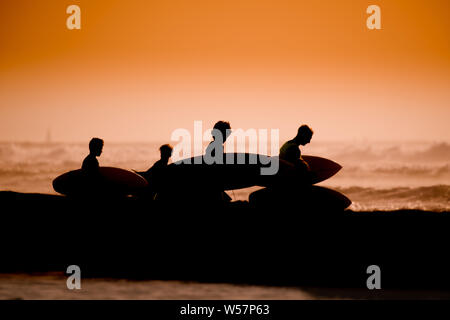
(52, 286)
(375, 175)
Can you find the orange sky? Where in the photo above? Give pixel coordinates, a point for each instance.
(137, 70)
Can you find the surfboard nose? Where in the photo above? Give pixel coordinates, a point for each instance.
(322, 168)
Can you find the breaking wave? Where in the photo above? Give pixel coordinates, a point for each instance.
(431, 198)
(417, 152)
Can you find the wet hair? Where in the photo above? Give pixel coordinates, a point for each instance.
(95, 144)
(166, 149)
(222, 126)
(304, 130)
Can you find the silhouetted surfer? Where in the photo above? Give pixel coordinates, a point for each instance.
(90, 167)
(220, 133)
(215, 150)
(290, 191)
(90, 163)
(156, 174)
(290, 151)
(165, 152)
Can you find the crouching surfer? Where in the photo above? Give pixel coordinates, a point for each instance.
(290, 152)
(300, 184)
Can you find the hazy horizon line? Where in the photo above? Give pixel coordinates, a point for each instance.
(172, 142)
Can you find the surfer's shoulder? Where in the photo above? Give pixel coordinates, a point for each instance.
(286, 144)
(289, 145)
(90, 162)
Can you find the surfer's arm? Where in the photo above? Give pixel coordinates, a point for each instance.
(305, 171)
(305, 164)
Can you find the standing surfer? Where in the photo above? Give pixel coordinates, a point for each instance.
(220, 132)
(156, 175)
(215, 150)
(90, 163)
(91, 169)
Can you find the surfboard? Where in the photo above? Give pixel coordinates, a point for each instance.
(322, 168)
(112, 181)
(318, 197)
(243, 170)
(327, 198)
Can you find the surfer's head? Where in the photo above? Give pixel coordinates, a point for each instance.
(96, 146)
(166, 151)
(304, 135)
(223, 128)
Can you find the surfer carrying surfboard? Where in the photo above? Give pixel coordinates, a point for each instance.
(290, 150)
(289, 190)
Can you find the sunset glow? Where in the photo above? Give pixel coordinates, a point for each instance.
(138, 70)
